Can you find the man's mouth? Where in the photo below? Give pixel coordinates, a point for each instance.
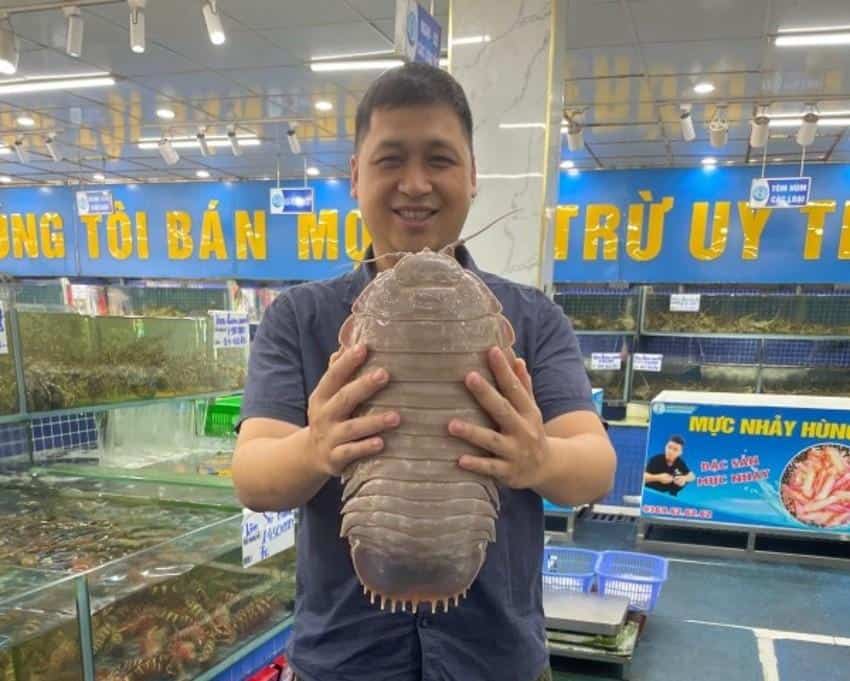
(414, 214)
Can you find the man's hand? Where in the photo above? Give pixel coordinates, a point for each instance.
(664, 478)
(680, 480)
(335, 438)
(519, 447)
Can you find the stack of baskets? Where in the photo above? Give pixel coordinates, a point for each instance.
(637, 576)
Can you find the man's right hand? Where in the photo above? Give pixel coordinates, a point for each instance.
(664, 478)
(336, 439)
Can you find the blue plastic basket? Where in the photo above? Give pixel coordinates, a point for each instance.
(638, 576)
(568, 569)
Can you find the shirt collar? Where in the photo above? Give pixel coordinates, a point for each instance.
(360, 278)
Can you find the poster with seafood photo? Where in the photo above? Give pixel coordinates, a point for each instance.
(772, 461)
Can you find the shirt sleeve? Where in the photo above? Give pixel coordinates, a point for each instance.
(655, 466)
(558, 375)
(274, 387)
(684, 466)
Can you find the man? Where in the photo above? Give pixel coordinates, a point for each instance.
(668, 472)
(413, 175)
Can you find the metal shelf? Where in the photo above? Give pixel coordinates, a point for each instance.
(743, 336)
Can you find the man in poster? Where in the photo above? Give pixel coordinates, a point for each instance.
(668, 472)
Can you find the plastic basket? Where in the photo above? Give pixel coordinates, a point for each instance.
(637, 576)
(568, 569)
(222, 417)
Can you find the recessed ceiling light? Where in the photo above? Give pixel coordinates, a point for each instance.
(26, 121)
(813, 39)
(324, 105)
(704, 88)
(202, 174)
(5, 179)
(566, 165)
(365, 65)
(14, 86)
(471, 40)
(312, 171)
(709, 161)
(99, 177)
(165, 114)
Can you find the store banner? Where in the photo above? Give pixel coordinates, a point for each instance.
(637, 226)
(785, 467)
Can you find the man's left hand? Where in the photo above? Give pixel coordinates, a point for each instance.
(519, 448)
(680, 480)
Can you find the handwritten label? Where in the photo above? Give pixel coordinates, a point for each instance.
(647, 362)
(266, 534)
(684, 302)
(231, 329)
(4, 341)
(605, 360)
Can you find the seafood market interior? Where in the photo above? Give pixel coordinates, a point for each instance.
(208, 206)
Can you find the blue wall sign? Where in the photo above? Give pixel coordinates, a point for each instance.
(417, 33)
(780, 192)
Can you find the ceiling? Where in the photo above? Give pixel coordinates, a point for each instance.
(632, 63)
(629, 65)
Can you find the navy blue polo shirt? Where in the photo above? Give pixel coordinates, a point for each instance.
(497, 632)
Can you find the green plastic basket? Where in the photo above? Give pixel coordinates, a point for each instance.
(222, 417)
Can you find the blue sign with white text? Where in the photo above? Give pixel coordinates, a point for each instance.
(298, 199)
(780, 192)
(763, 466)
(94, 202)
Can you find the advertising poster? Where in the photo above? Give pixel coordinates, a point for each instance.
(758, 460)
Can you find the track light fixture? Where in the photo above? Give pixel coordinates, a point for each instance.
(575, 130)
(169, 155)
(50, 145)
(8, 46)
(137, 25)
(718, 128)
(73, 31)
(292, 138)
(202, 141)
(759, 127)
(686, 120)
(20, 151)
(212, 18)
(234, 143)
(809, 127)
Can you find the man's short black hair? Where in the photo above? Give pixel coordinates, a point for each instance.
(678, 439)
(413, 84)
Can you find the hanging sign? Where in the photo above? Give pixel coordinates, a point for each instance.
(780, 192)
(417, 33)
(288, 200)
(97, 202)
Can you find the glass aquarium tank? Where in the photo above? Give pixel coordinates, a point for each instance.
(702, 364)
(73, 360)
(599, 308)
(167, 299)
(801, 367)
(8, 379)
(764, 311)
(598, 351)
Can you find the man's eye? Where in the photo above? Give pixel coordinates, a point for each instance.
(389, 160)
(441, 160)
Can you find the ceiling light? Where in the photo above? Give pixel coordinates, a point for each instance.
(165, 114)
(709, 161)
(822, 122)
(17, 86)
(573, 172)
(20, 152)
(471, 40)
(520, 126)
(98, 177)
(166, 150)
(292, 138)
(718, 128)
(351, 55)
(808, 128)
(192, 142)
(365, 65)
(566, 165)
(704, 88)
(213, 21)
(839, 112)
(312, 171)
(234, 143)
(26, 121)
(778, 159)
(686, 120)
(73, 31)
(203, 174)
(575, 132)
(323, 105)
(50, 144)
(5, 179)
(8, 46)
(813, 39)
(759, 128)
(137, 25)
(201, 136)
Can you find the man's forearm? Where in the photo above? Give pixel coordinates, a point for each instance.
(274, 474)
(579, 469)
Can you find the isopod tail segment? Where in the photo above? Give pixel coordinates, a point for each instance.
(394, 605)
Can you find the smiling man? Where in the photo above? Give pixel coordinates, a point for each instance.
(413, 175)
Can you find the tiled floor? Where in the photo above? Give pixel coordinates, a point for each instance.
(731, 620)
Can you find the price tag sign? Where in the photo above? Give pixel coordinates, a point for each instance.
(684, 302)
(266, 534)
(4, 340)
(230, 329)
(605, 360)
(647, 362)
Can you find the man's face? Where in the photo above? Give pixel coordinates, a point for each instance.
(672, 451)
(414, 178)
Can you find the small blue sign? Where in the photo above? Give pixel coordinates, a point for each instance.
(94, 202)
(297, 199)
(418, 33)
(780, 192)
